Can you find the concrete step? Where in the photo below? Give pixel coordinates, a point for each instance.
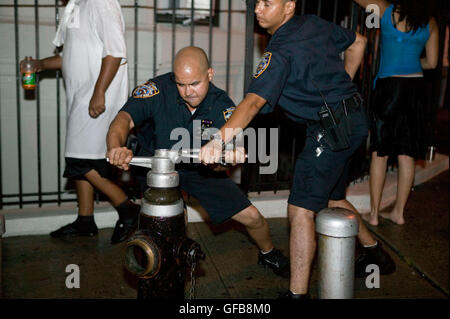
(40, 221)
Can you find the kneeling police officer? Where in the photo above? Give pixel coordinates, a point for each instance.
(176, 100)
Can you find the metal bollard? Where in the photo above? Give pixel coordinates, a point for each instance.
(337, 228)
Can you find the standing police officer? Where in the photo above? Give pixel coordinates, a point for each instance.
(302, 72)
(176, 100)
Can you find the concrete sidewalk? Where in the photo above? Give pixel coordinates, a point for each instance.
(34, 266)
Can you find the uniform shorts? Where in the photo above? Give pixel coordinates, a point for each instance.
(216, 192)
(76, 168)
(320, 179)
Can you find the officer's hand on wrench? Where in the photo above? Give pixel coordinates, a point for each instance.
(235, 156)
(211, 153)
(120, 157)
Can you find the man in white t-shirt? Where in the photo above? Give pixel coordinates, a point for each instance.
(94, 68)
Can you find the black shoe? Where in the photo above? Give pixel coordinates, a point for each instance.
(374, 256)
(278, 262)
(125, 227)
(289, 295)
(76, 229)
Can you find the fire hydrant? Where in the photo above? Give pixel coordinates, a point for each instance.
(159, 253)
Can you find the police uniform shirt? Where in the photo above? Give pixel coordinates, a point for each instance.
(158, 105)
(303, 57)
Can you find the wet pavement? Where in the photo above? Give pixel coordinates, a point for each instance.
(35, 266)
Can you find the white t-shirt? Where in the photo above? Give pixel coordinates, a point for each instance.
(95, 29)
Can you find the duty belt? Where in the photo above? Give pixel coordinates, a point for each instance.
(345, 107)
(350, 105)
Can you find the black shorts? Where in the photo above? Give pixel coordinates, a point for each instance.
(76, 168)
(320, 179)
(217, 193)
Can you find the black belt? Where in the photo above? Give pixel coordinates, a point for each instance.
(350, 105)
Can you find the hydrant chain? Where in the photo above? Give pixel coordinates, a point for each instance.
(192, 261)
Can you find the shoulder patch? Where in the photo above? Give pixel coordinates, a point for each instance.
(263, 64)
(146, 90)
(227, 113)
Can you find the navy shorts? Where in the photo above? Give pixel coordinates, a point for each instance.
(216, 192)
(76, 168)
(320, 179)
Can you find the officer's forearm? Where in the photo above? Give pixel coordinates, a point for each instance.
(118, 130)
(108, 70)
(354, 55)
(242, 116)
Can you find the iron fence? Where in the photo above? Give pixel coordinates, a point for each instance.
(171, 26)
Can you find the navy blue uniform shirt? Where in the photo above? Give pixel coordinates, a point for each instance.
(303, 57)
(158, 106)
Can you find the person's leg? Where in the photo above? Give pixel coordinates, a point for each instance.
(128, 211)
(302, 244)
(378, 167)
(84, 225)
(372, 251)
(364, 236)
(223, 200)
(257, 227)
(406, 168)
(115, 194)
(85, 197)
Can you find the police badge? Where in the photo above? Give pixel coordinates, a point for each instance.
(263, 64)
(146, 90)
(227, 113)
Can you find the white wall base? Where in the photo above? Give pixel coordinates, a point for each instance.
(39, 221)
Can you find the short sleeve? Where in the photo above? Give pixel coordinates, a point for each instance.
(342, 37)
(110, 27)
(270, 77)
(141, 105)
(227, 107)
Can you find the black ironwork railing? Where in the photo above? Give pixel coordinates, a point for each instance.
(291, 140)
(59, 194)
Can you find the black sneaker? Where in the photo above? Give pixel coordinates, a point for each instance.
(289, 295)
(125, 227)
(374, 256)
(76, 229)
(278, 262)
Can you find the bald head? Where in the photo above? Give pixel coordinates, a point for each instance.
(191, 58)
(192, 75)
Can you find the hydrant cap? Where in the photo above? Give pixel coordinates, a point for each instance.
(337, 222)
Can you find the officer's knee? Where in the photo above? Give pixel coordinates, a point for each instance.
(299, 215)
(250, 217)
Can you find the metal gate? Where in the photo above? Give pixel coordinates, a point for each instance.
(32, 128)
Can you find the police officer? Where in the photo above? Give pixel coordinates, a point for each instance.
(179, 100)
(302, 72)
